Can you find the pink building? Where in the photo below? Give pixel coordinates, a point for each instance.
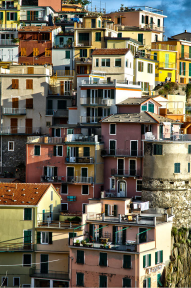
(121, 246)
(137, 119)
(71, 161)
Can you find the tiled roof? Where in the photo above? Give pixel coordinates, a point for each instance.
(143, 117)
(38, 28)
(137, 101)
(22, 193)
(106, 51)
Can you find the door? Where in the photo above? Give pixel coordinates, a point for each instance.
(27, 239)
(93, 97)
(132, 167)
(133, 148)
(70, 174)
(28, 126)
(61, 87)
(146, 19)
(15, 105)
(121, 189)
(142, 235)
(84, 174)
(44, 264)
(120, 167)
(112, 147)
(14, 125)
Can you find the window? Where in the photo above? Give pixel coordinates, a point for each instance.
(64, 206)
(127, 261)
(98, 36)
(16, 281)
(151, 107)
(1, 15)
(64, 189)
(146, 87)
(176, 167)
(15, 83)
(105, 62)
(85, 189)
(83, 52)
(182, 68)
(140, 66)
(86, 151)
(97, 63)
(112, 184)
(27, 213)
(4, 282)
(51, 197)
(10, 145)
(37, 150)
(140, 38)
(126, 282)
(99, 23)
(146, 260)
(159, 257)
(126, 63)
(103, 259)
(27, 259)
(157, 149)
(29, 103)
(112, 129)
(70, 131)
(11, 16)
(144, 107)
(48, 124)
(188, 167)
(93, 23)
(84, 208)
(119, 35)
(44, 237)
(80, 279)
(189, 149)
(139, 186)
(143, 19)
(23, 52)
(147, 283)
(67, 54)
(58, 151)
(35, 51)
(29, 84)
(150, 68)
(80, 257)
(47, 52)
(102, 281)
(158, 22)
(155, 56)
(117, 62)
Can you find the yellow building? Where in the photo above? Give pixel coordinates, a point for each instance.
(9, 14)
(166, 55)
(88, 36)
(124, 42)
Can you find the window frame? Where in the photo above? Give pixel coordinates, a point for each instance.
(103, 253)
(111, 179)
(124, 262)
(13, 281)
(104, 60)
(2, 281)
(157, 149)
(116, 60)
(65, 204)
(97, 62)
(110, 125)
(82, 259)
(46, 233)
(139, 184)
(57, 150)
(158, 259)
(77, 279)
(176, 166)
(39, 150)
(140, 66)
(24, 265)
(82, 190)
(66, 189)
(148, 262)
(29, 84)
(31, 214)
(150, 68)
(13, 146)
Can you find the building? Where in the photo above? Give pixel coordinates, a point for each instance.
(121, 246)
(24, 91)
(71, 161)
(20, 205)
(123, 152)
(122, 43)
(10, 13)
(36, 16)
(37, 50)
(56, 5)
(166, 55)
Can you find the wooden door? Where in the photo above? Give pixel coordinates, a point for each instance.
(15, 102)
(28, 126)
(14, 124)
(61, 87)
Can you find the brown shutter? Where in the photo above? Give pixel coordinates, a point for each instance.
(62, 87)
(15, 103)
(85, 69)
(13, 125)
(30, 70)
(28, 126)
(29, 84)
(70, 85)
(15, 83)
(29, 103)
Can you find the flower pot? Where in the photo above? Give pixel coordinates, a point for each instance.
(78, 244)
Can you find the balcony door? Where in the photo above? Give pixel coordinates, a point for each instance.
(120, 166)
(14, 125)
(84, 174)
(27, 238)
(70, 174)
(112, 147)
(142, 235)
(74, 154)
(61, 87)
(121, 189)
(134, 148)
(132, 167)
(28, 126)
(93, 97)
(44, 264)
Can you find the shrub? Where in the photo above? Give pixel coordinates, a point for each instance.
(174, 231)
(161, 92)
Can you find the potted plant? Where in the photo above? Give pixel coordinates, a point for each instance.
(83, 242)
(104, 245)
(101, 246)
(15, 40)
(109, 246)
(77, 242)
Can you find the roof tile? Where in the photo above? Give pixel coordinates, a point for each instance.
(106, 51)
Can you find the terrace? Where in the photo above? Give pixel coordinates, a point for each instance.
(51, 274)
(121, 152)
(44, 140)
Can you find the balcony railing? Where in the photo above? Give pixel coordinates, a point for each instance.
(14, 111)
(154, 27)
(91, 119)
(96, 101)
(56, 224)
(56, 179)
(79, 179)
(82, 138)
(20, 130)
(33, 272)
(61, 73)
(45, 140)
(83, 60)
(8, 6)
(163, 65)
(11, 247)
(125, 173)
(7, 42)
(169, 137)
(185, 55)
(121, 152)
(9, 27)
(159, 46)
(57, 113)
(83, 43)
(80, 160)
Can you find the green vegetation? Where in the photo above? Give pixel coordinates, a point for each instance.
(174, 231)
(188, 91)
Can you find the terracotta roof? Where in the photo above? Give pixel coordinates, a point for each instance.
(106, 51)
(137, 101)
(22, 193)
(38, 28)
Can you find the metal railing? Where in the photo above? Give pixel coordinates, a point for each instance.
(8, 42)
(20, 130)
(33, 272)
(160, 46)
(121, 152)
(82, 138)
(91, 119)
(45, 139)
(9, 27)
(56, 224)
(169, 137)
(185, 55)
(88, 160)
(16, 247)
(60, 73)
(79, 179)
(83, 60)
(83, 43)
(47, 179)
(167, 65)
(14, 111)
(96, 101)
(57, 113)
(125, 173)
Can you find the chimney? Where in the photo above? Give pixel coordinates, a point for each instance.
(185, 31)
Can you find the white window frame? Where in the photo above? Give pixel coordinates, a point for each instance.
(67, 87)
(147, 260)
(44, 243)
(111, 179)
(123, 181)
(136, 184)
(135, 164)
(158, 256)
(66, 204)
(13, 281)
(146, 282)
(2, 281)
(106, 94)
(57, 151)
(13, 145)
(98, 62)
(55, 132)
(23, 260)
(110, 127)
(115, 62)
(115, 143)
(82, 190)
(105, 62)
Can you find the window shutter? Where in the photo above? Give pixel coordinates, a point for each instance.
(156, 257)
(60, 150)
(50, 238)
(55, 171)
(127, 261)
(126, 282)
(28, 15)
(45, 171)
(53, 132)
(36, 15)
(100, 93)
(81, 53)
(8, 16)
(149, 259)
(1, 15)
(100, 231)
(106, 209)
(124, 236)
(180, 70)
(161, 256)
(144, 261)
(184, 67)
(190, 68)
(115, 210)
(54, 153)
(38, 237)
(114, 230)
(142, 129)
(103, 259)
(15, 16)
(149, 282)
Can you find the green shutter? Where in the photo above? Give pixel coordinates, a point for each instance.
(189, 68)
(180, 68)
(86, 151)
(106, 209)
(127, 261)
(36, 15)
(80, 256)
(50, 238)
(184, 68)
(115, 210)
(91, 230)
(15, 16)
(38, 237)
(81, 53)
(37, 150)
(27, 213)
(161, 256)
(188, 167)
(126, 282)
(80, 279)
(189, 51)
(149, 259)
(28, 15)
(182, 51)
(144, 261)
(67, 54)
(149, 282)
(156, 257)
(54, 152)
(103, 259)
(8, 16)
(114, 230)
(1, 15)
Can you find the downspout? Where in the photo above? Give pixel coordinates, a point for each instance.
(1, 128)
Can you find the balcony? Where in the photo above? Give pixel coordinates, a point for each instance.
(12, 27)
(51, 274)
(83, 60)
(185, 55)
(168, 137)
(14, 111)
(35, 19)
(168, 66)
(79, 160)
(56, 179)
(57, 113)
(153, 27)
(56, 224)
(97, 101)
(158, 46)
(8, 6)
(91, 119)
(79, 180)
(113, 83)
(44, 140)
(63, 73)
(16, 247)
(8, 42)
(125, 173)
(20, 130)
(81, 138)
(121, 152)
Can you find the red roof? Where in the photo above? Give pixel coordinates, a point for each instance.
(106, 51)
